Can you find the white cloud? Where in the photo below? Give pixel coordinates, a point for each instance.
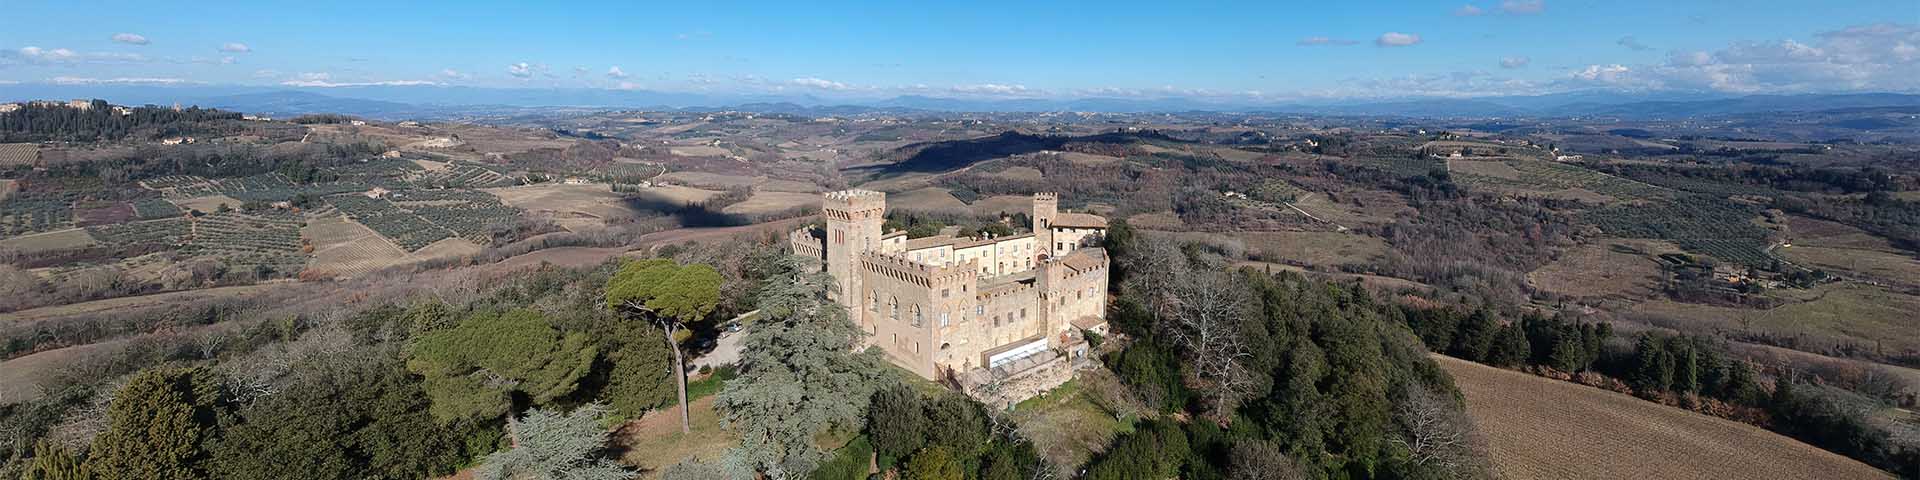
(818, 83)
(130, 39)
(1469, 10)
(325, 80)
(454, 74)
(1321, 41)
(1396, 39)
(51, 56)
(119, 81)
(54, 54)
(1614, 73)
(1515, 62)
(630, 86)
(991, 89)
(616, 73)
(521, 70)
(1633, 44)
(236, 47)
(1523, 7)
(266, 73)
(1689, 58)
(1877, 57)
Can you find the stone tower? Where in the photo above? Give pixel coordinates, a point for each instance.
(1046, 205)
(853, 226)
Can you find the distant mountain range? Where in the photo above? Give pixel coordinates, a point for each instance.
(427, 102)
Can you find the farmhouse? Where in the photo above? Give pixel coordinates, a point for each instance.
(1001, 318)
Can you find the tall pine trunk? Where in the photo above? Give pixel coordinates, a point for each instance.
(679, 376)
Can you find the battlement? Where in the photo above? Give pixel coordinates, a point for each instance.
(855, 198)
(1046, 197)
(900, 268)
(850, 205)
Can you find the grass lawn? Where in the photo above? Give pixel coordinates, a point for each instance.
(1066, 426)
(655, 441)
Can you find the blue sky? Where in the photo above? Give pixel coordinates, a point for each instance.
(1272, 50)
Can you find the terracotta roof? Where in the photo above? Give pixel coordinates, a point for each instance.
(1088, 322)
(1085, 259)
(1079, 220)
(930, 242)
(988, 241)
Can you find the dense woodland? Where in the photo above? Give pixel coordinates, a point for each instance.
(35, 122)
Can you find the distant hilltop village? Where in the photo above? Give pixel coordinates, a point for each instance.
(1001, 318)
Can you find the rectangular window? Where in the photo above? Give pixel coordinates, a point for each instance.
(944, 293)
(980, 310)
(1023, 313)
(996, 320)
(943, 319)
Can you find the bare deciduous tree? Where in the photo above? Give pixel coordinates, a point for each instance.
(1262, 460)
(1437, 433)
(1204, 319)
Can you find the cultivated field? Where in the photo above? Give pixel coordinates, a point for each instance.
(928, 199)
(208, 204)
(1537, 427)
(699, 151)
(1854, 252)
(711, 180)
(1874, 265)
(1869, 316)
(1373, 281)
(1604, 268)
(1354, 209)
(577, 207)
(55, 240)
(1003, 204)
(1312, 248)
(765, 201)
(19, 154)
(344, 249)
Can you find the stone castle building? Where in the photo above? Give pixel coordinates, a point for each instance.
(998, 317)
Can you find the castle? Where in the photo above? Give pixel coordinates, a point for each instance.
(1000, 318)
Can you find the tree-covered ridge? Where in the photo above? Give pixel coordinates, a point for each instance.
(417, 389)
(1310, 379)
(39, 122)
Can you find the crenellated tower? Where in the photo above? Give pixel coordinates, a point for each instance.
(854, 219)
(1046, 206)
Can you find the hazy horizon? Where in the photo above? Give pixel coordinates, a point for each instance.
(862, 51)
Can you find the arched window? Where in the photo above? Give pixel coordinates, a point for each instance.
(918, 318)
(893, 307)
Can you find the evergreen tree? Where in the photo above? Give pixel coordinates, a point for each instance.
(933, 463)
(1475, 336)
(641, 374)
(552, 446)
(896, 422)
(159, 426)
(799, 375)
(670, 296)
(50, 462)
(1510, 348)
(472, 370)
